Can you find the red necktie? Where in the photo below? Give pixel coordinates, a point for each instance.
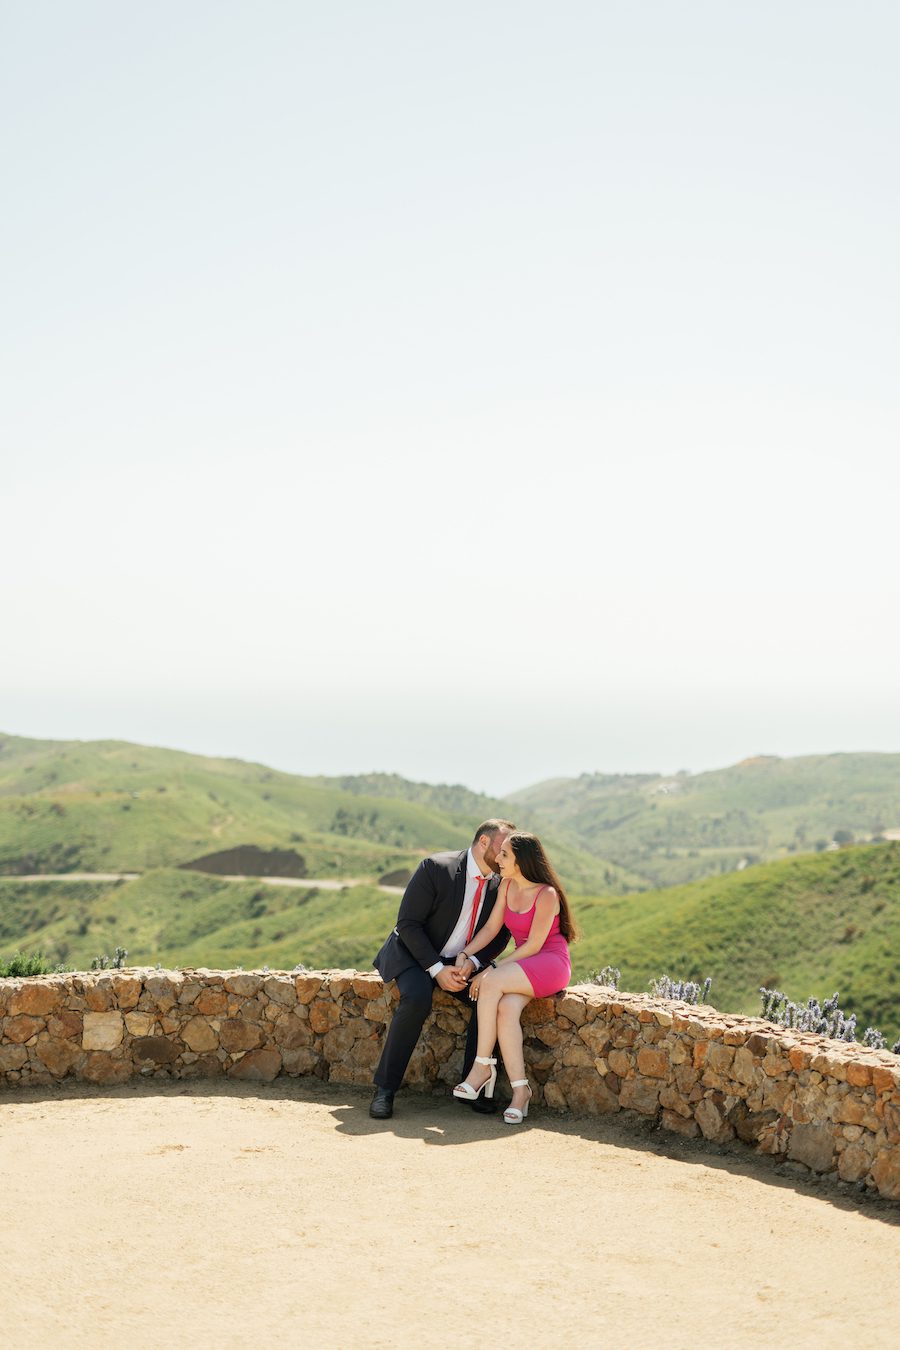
(475, 903)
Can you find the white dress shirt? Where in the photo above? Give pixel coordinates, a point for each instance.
(458, 938)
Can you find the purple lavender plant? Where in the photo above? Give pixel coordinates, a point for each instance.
(685, 991)
(826, 1019)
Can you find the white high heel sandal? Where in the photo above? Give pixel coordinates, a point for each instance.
(512, 1115)
(470, 1094)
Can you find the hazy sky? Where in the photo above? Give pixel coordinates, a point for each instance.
(480, 392)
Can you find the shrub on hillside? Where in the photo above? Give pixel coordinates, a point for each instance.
(20, 964)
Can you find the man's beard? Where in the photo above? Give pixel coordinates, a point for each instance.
(490, 858)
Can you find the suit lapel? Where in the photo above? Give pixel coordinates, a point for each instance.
(454, 903)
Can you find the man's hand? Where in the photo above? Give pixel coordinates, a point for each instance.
(450, 978)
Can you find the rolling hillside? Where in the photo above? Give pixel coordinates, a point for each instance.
(807, 925)
(676, 829)
(109, 806)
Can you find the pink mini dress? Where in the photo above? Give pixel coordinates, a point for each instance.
(549, 970)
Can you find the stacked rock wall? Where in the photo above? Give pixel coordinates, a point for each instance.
(826, 1106)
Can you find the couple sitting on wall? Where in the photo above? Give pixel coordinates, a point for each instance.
(456, 918)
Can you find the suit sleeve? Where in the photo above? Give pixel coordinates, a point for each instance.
(416, 907)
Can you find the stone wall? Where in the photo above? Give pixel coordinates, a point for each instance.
(826, 1106)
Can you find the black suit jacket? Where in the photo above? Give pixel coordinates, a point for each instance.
(429, 912)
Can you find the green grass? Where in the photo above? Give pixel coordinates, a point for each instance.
(809, 926)
(109, 806)
(672, 830)
(188, 918)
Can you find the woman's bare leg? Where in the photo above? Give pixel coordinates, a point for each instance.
(509, 978)
(509, 1031)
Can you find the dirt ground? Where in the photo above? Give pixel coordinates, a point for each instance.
(153, 1215)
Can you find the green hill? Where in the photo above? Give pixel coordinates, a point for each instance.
(676, 829)
(808, 926)
(110, 806)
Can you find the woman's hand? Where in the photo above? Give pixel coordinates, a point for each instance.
(475, 985)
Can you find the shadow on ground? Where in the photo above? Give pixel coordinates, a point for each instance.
(438, 1121)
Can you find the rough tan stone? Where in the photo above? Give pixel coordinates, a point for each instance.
(58, 1056)
(211, 1002)
(367, 986)
(854, 1162)
(102, 1031)
(577, 1056)
(139, 1023)
(571, 1006)
(204, 1066)
(672, 1120)
(257, 1066)
(164, 987)
(850, 1111)
(280, 989)
(653, 1063)
(307, 987)
(620, 1063)
(886, 1173)
(812, 1145)
(21, 1029)
(639, 1095)
(12, 1057)
(337, 1042)
(198, 1035)
(35, 999)
(293, 1032)
(711, 1119)
(720, 1059)
(885, 1078)
(99, 1067)
(555, 1098)
(158, 1049)
(858, 1073)
(584, 1091)
(302, 1060)
(236, 1035)
(65, 1025)
(246, 986)
(127, 989)
(323, 1016)
(98, 997)
(596, 1036)
(365, 1054)
(743, 1069)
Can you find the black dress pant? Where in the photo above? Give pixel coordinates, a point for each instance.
(416, 992)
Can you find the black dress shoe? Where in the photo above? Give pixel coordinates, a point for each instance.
(382, 1105)
(485, 1106)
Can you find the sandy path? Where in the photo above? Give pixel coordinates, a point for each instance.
(155, 1215)
(323, 884)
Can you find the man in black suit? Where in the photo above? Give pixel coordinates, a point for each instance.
(449, 897)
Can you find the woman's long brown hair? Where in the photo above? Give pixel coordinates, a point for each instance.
(536, 866)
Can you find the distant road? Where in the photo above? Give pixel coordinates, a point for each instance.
(323, 884)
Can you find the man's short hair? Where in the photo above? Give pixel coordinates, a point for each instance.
(490, 828)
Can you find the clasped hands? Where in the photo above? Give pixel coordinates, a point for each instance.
(456, 977)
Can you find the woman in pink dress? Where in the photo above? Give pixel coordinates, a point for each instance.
(533, 906)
